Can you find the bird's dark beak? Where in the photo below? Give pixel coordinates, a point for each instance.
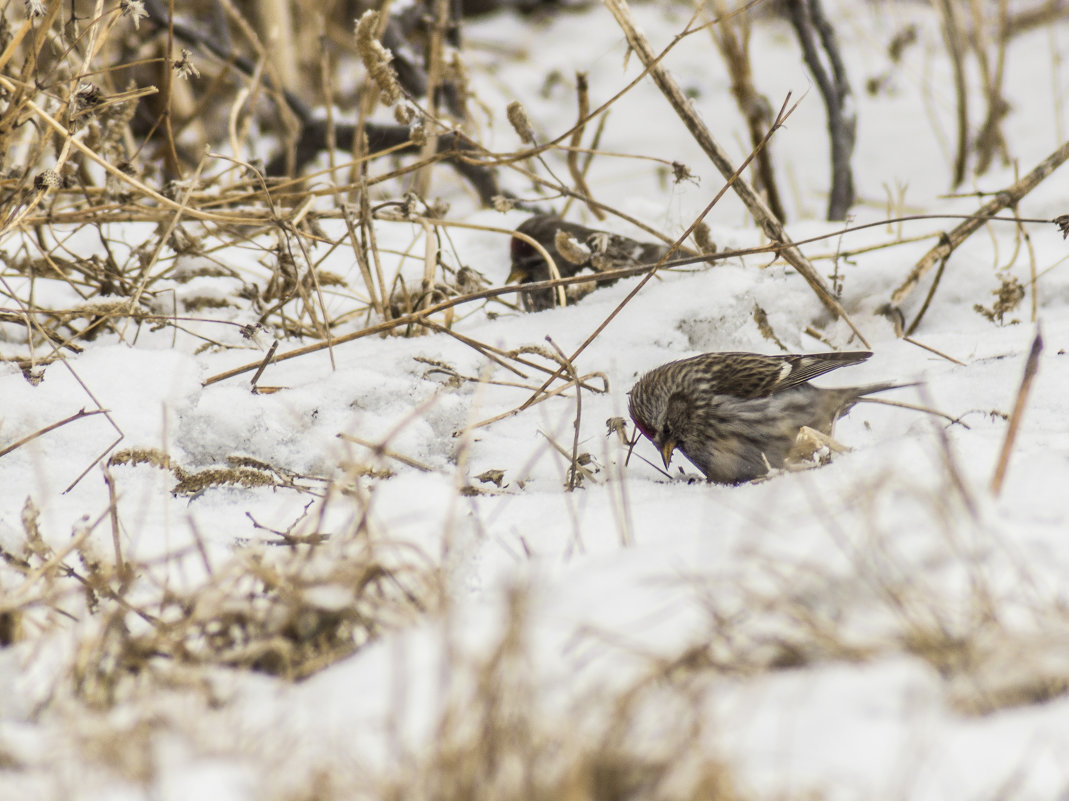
(666, 452)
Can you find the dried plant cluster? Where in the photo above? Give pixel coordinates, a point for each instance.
(158, 175)
(108, 122)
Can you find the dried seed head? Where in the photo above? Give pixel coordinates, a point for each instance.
(184, 67)
(760, 317)
(681, 172)
(417, 132)
(520, 123)
(704, 238)
(87, 97)
(47, 179)
(617, 426)
(1007, 298)
(135, 9)
(377, 58)
(410, 203)
(455, 73)
(438, 208)
(502, 203)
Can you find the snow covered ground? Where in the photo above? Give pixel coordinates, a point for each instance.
(881, 627)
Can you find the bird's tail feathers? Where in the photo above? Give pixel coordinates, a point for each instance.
(872, 389)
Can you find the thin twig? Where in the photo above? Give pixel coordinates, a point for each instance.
(263, 364)
(417, 317)
(807, 17)
(573, 468)
(913, 407)
(781, 117)
(956, 49)
(1031, 367)
(380, 449)
(1007, 197)
(912, 329)
(582, 90)
(81, 413)
(541, 394)
(950, 461)
(930, 349)
(732, 37)
(113, 507)
(683, 107)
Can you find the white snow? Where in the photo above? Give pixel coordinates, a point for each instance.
(791, 630)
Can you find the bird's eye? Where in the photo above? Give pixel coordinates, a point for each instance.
(520, 249)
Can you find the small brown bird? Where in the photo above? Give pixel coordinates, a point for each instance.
(738, 415)
(587, 248)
